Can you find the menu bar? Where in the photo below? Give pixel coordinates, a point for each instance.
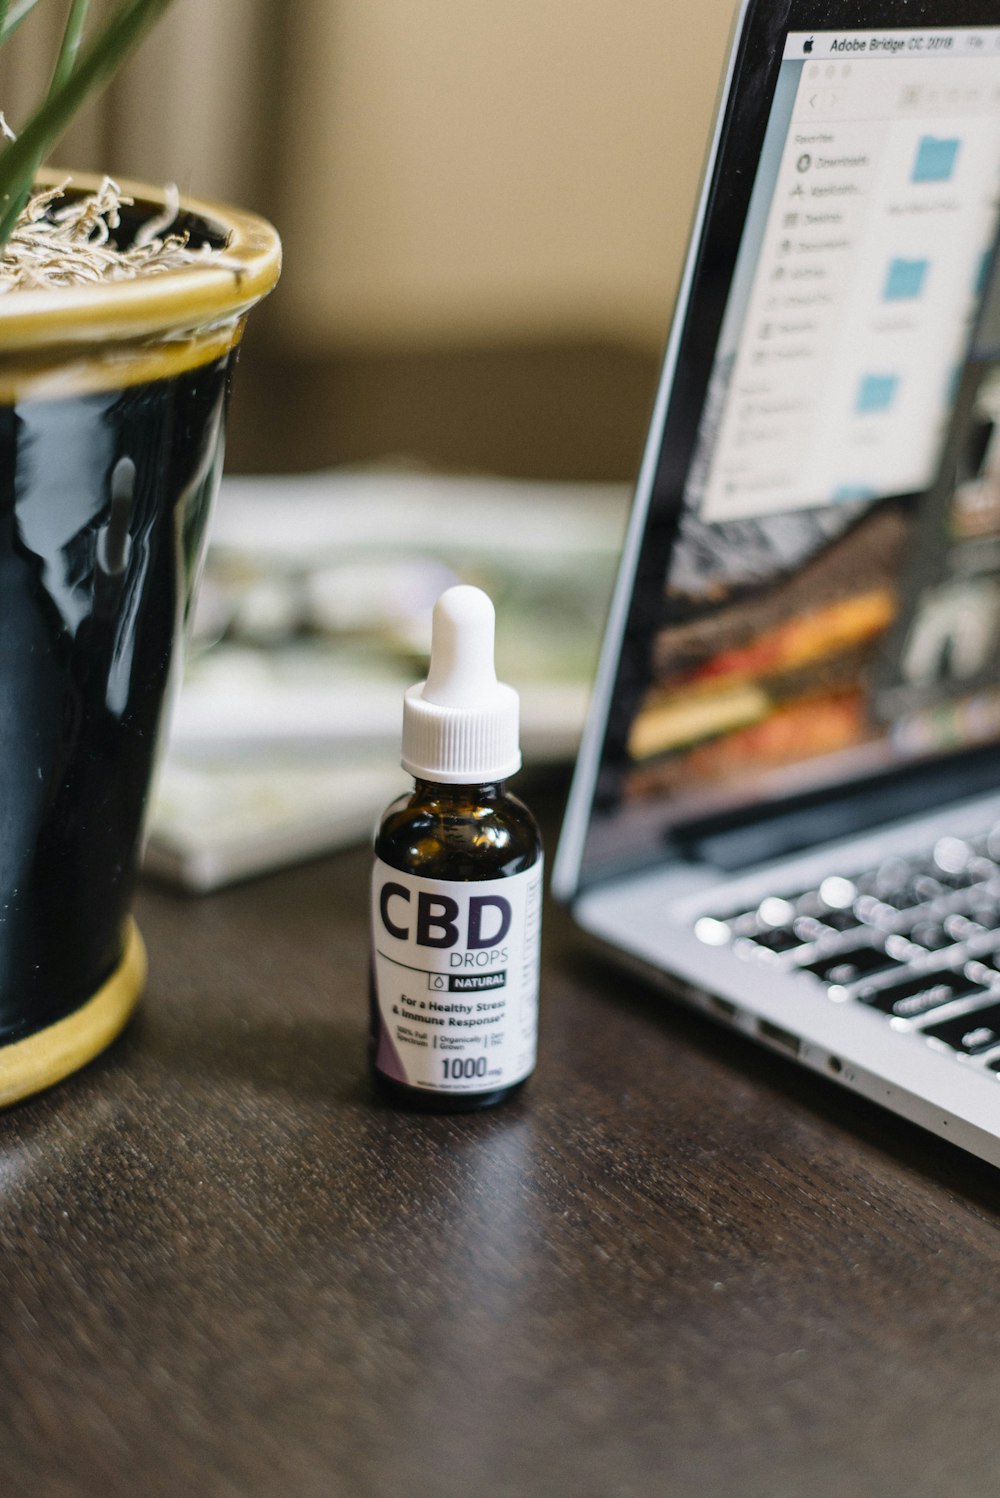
(957, 41)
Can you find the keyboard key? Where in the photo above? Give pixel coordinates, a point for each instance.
(960, 927)
(836, 893)
(908, 896)
(876, 913)
(840, 920)
(970, 1033)
(986, 913)
(775, 912)
(848, 967)
(777, 941)
(913, 996)
(930, 936)
(951, 855)
(977, 872)
(712, 931)
(808, 928)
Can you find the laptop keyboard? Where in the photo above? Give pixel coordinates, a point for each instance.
(916, 939)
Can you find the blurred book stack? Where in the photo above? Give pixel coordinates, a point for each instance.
(314, 616)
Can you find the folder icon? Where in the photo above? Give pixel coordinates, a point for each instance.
(876, 392)
(904, 280)
(936, 157)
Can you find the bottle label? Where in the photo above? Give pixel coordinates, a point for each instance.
(455, 974)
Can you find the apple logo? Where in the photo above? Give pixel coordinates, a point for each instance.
(807, 45)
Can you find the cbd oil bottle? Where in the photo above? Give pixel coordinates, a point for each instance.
(457, 885)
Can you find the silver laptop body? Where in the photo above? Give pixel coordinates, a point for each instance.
(786, 806)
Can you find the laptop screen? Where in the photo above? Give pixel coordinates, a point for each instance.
(817, 598)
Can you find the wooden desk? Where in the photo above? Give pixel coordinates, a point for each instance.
(674, 1266)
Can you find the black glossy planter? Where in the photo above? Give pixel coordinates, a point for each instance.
(112, 414)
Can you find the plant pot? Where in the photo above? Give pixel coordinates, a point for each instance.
(112, 412)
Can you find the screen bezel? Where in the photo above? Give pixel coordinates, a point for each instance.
(748, 87)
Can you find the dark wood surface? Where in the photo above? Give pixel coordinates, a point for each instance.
(673, 1265)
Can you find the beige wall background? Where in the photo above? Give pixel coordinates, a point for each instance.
(496, 171)
(443, 172)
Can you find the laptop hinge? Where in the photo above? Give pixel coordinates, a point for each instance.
(740, 842)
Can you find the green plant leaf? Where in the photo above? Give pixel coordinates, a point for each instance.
(94, 67)
(70, 46)
(13, 17)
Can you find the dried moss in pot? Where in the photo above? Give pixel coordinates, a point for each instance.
(82, 240)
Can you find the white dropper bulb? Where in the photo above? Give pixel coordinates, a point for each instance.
(460, 726)
(462, 670)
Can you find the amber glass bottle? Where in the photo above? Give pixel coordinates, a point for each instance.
(456, 890)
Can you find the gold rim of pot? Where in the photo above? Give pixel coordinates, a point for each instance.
(172, 301)
(39, 1060)
(81, 338)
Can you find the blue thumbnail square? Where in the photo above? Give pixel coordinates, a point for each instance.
(936, 157)
(876, 393)
(846, 494)
(905, 280)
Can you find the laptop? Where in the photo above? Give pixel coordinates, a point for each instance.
(786, 805)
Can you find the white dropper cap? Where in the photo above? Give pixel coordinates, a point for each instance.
(460, 726)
